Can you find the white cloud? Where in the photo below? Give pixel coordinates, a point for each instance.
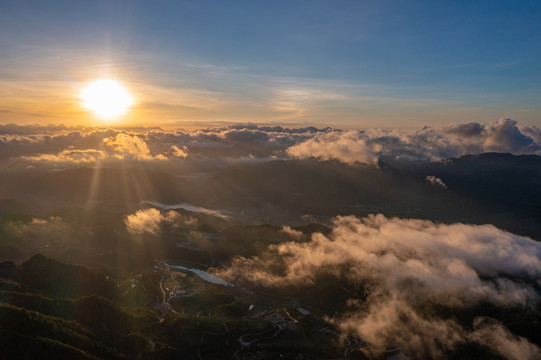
(410, 263)
(150, 221)
(349, 147)
(132, 145)
(427, 143)
(65, 146)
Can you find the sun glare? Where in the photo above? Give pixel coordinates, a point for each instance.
(106, 98)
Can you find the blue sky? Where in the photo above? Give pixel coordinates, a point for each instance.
(337, 63)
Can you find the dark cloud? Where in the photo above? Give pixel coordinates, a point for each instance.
(469, 129)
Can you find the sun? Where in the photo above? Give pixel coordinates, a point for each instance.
(106, 98)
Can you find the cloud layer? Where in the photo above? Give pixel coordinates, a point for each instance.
(424, 144)
(409, 264)
(60, 146)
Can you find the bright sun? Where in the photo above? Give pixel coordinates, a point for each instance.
(106, 98)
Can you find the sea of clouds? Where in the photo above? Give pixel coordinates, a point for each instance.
(410, 263)
(61, 146)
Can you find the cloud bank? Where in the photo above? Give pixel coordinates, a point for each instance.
(60, 146)
(425, 144)
(409, 265)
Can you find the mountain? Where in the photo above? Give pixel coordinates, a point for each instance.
(54, 278)
(507, 186)
(12, 206)
(54, 310)
(81, 185)
(308, 185)
(504, 180)
(501, 189)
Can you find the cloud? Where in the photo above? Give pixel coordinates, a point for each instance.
(504, 135)
(396, 322)
(15, 129)
(349, 147)
(36, 145)
(369, 146)
(468, 130)
(435, 181)
(63, 146)
(240, 141)
(151, 221)
(132, 145)
(493, 335)
(187, 207)
(21, 141)
(180, 153)
(68, 157)
(294, 234)
(409, 264)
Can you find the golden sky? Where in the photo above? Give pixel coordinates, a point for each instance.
(193, 66)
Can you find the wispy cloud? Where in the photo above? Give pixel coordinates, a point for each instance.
(185, 206)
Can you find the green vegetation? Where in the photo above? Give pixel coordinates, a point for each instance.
(37, 316)
(57, 279)
(48, 306)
